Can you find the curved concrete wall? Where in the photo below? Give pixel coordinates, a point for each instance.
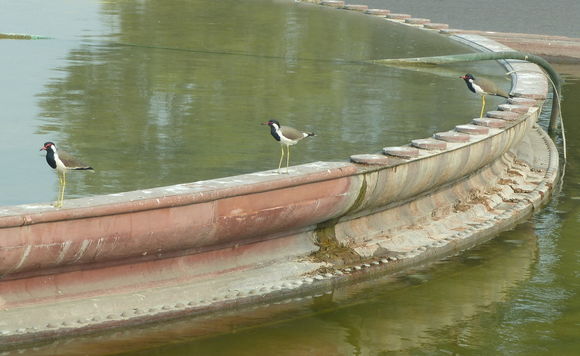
(186, 218)
(197, 217)
(431, 170)
(193, 247)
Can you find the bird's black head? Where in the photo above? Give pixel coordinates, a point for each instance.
(48, 145)
(274, 127)
(50, 149)
(467, 77)
(272, 122)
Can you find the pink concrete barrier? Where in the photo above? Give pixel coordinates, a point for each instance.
(199, 218)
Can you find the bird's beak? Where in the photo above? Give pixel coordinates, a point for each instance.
(43, 148)
(462, 77)
(264, 123)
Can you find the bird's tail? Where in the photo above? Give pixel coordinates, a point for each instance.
(310, 134)
(83, 169)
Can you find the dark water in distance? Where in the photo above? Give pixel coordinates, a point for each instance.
(516, 295)
(165, 92)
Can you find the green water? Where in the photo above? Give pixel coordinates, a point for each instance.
(166, 92)
(150, 116)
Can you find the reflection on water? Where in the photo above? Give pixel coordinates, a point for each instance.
(543, 317)
(166, 92)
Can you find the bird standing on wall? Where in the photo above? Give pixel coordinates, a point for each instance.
(287, 136)
(62, 162)
(483, 87)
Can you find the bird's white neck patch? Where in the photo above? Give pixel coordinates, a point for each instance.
(477, 88)
(278, 131)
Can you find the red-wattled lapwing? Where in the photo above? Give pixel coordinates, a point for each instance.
(62, 162)
(483, 87)
(287, 136)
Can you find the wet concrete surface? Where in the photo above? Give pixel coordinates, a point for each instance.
(525, 16)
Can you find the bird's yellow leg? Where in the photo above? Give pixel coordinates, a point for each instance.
(281, 158)
(57, 202)
(482, 106)
(287, 159)
(63, 186)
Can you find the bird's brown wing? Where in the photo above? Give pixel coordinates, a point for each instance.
(72, 163)
(491, 88)
(292, 133)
